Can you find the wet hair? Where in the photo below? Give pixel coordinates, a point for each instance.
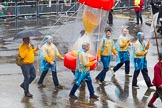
(25, 38)
(107, 29)
(85, 45)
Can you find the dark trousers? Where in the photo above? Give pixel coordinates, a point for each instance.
(127, 66)
(145, 76)
(160, 29)
(54, 76)
(110, 17)
(106, 62)
(139, 17)
(158, 93)
(29, 74)
(90, 88)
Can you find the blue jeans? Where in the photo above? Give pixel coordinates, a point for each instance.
(106, 62)
(80, 79)
(29, 74)
(54, 73)
(139, 17)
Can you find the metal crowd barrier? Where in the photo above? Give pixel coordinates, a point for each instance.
(34, 8)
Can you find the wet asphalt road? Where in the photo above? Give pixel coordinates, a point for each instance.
(117, 94)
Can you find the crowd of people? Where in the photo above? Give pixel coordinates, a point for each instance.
(106, 49)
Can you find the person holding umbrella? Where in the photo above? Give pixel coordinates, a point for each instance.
(26, 52)
(49, 53)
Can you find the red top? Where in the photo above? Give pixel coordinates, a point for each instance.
(138, 9)
(157, 81)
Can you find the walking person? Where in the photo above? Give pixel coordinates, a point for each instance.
(105, 50)
(123, 53)
(157, 81)
(140, 63)
(49, 52)
(138, 4)
(26, 52)
(83, 71)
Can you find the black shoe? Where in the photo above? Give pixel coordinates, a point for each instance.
(151, 105)
(73, 96)
(28, 95)
(21, 85)
(59, 87)
(94, 97)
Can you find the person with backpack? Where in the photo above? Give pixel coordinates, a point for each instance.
(157, 81)
(26, 52)
(105, 50)
(49, 53)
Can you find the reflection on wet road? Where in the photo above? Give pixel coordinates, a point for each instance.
(117, 94)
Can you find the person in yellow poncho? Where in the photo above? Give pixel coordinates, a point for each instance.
(105, 50)
(26, 51)
(123, 53)
(140, 63)
(83, 72)
(49, 51)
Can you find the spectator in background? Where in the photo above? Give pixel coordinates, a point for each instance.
(155, 4)
(138, 4)
(110, 17)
